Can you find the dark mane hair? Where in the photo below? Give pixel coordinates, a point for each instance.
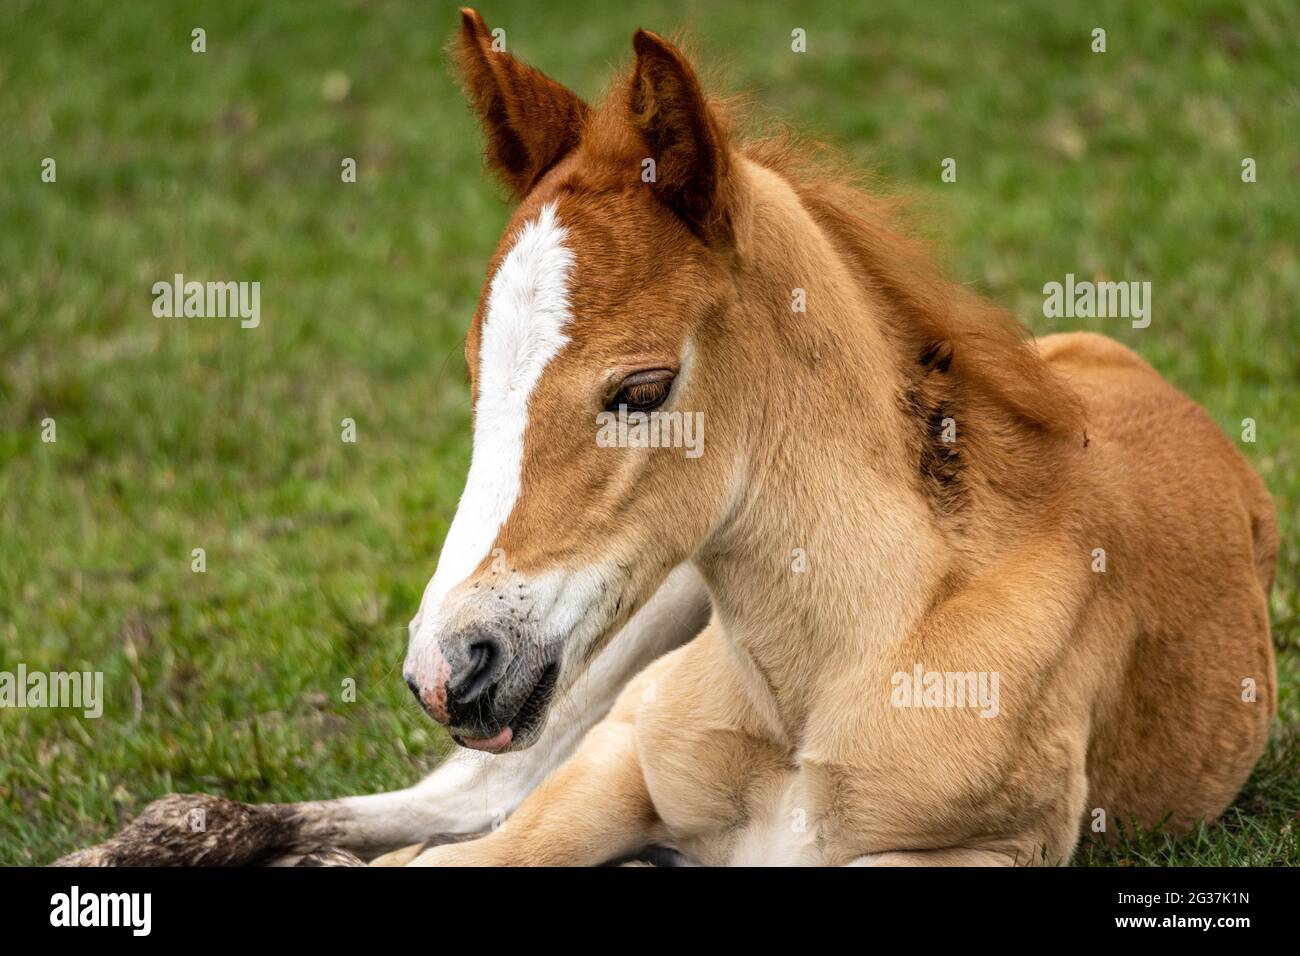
(961, 356)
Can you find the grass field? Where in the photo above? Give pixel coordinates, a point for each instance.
(176, 434)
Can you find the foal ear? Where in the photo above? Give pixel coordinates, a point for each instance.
(683, 136)
(530, 120)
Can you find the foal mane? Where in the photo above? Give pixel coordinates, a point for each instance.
(960, 356)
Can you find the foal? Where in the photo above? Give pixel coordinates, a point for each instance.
(902, 510)
(969, 593)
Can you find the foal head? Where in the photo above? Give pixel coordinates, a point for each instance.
(593, 361)
(657, 277)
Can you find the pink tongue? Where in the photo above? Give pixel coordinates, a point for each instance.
(500, 742)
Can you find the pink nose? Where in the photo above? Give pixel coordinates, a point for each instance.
(427, 677)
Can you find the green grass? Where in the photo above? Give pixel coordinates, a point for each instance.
(175, 434)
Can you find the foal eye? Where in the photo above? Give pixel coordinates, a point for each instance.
(643, 391)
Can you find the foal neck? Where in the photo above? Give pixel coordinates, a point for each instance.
(831, 552)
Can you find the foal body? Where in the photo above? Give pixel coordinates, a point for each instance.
(896, 487)
(895, 484)
(773, 738)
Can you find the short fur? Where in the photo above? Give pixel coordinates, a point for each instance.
(772, 737)
(842, 538)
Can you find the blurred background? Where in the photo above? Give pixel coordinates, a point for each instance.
(176, 434)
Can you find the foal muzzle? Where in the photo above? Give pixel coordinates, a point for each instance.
(488, 685)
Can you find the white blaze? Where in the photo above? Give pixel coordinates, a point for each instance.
(523, 329)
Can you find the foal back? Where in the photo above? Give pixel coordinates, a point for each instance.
(1190, 545)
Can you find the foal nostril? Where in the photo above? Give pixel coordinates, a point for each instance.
(415, 688)
(483, 659)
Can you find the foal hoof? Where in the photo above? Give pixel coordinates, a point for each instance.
(194, 829)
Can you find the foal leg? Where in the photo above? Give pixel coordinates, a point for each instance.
(593, 809)
(470, 792)
(473, 791)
